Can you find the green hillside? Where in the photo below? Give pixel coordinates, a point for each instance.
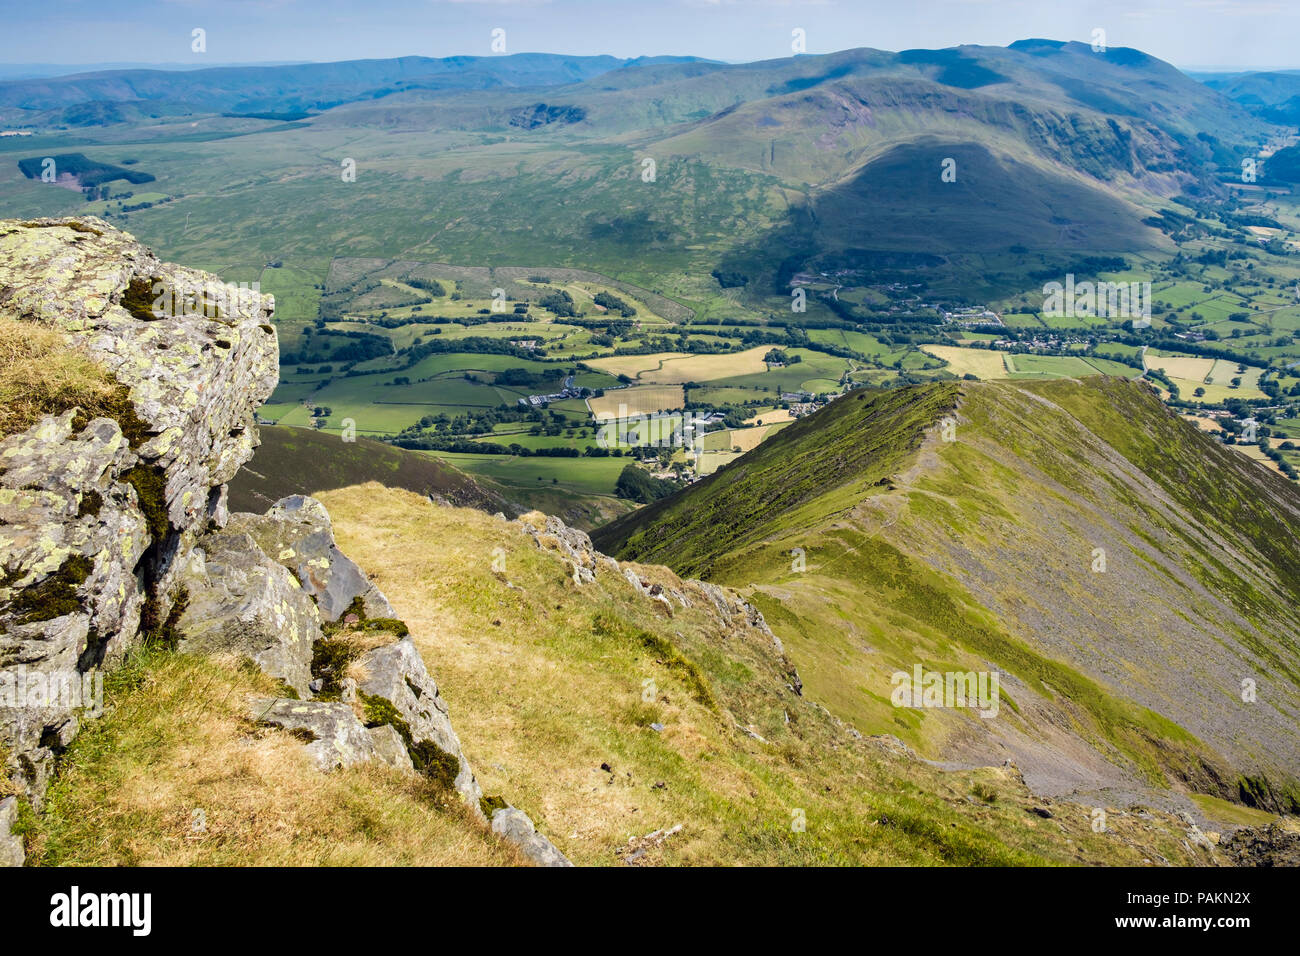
(1124, 571)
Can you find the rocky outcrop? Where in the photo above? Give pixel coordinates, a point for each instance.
(554, 535)
(238, 600)
(271, 586)
(275, 588)
(97, 517)
(1273, 845)
(734, 615)
(395, 673)
(296, 532)
(335, 738)
(515, 826)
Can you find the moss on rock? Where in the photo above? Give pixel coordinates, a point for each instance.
(54, 597)
(150, 484)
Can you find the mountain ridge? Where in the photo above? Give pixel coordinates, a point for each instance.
(1001, 529)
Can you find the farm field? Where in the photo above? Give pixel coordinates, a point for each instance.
(632, 365)
(746, 439)
(675, 368)
(638, 400)
(1048, 366)
(770, 416)
(709, 462)
(982, 363)
(1224, 372)
(814, 372)
(1212, 377)
(1186, 367)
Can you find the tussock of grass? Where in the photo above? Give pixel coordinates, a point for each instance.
(174, 773)
(41, 374)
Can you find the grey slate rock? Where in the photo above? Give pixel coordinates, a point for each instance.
(396, 672)
(515, 826)
(11, 846)
(340, 739)
(194, 382)
(243, 602)
(296, 532)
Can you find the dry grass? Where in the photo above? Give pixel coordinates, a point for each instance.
(746, 439)
(8, 787)
(41, 374)
(706, 368)
(175, 774)
(632, 365)
(770, 416)
(1190, 369)
(677, 368)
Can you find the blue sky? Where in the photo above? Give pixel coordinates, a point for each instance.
(1190, 33)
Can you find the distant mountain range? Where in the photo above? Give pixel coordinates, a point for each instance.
(765, 169)
(138, 93)
(1273, 96)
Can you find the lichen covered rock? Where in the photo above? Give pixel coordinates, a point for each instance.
(334, 736)
(514, 825)
(554, 535)
(240, 601)
(96, 516)
(296, 532)
(396, 673)
(11, 845)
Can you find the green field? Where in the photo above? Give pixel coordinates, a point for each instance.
(590, 476)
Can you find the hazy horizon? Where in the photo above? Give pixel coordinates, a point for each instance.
(1199, 35)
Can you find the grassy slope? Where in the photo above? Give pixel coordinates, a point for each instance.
(545, 684)
(814, 467)
(564, 695)
(305, 461)
(982, 550)
(175, 774)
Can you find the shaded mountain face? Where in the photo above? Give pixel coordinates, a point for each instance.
(299, 461)
(1134, 583)
(899, 204)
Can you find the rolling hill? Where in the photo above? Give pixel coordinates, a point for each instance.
(1272, 96)
(1132, 580)
(761, 169)
(303, 461)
